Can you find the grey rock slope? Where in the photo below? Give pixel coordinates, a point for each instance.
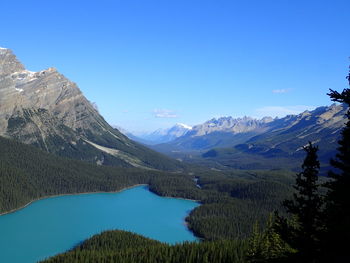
(48, 110)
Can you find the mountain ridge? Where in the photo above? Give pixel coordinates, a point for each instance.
(229, 141)
(162, 135)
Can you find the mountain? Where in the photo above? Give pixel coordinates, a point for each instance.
(49, 111)
(219, 132)
(230, 125)
(287, 136)
(251, 143)
(163, 135)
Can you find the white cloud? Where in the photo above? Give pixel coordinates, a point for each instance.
(281, 111)
(164, 113)
(279, 91)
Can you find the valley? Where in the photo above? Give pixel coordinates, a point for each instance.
(53, 141)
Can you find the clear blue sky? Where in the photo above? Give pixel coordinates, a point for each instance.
(150, 64)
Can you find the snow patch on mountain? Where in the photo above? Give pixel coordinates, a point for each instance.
(164, 135)
(184, 126)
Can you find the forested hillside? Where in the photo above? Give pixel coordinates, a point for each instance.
(125, 247)
(27, 173)
(231, 202)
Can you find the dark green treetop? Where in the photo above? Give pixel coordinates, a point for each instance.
(303, 230)
(337, 212)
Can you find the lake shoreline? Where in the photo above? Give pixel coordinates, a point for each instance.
(99, 192)
(185, 222)
(181, 198)
(58, 195)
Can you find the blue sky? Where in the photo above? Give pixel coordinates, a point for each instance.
(151, 64)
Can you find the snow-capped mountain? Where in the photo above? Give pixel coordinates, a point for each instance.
(164, 135)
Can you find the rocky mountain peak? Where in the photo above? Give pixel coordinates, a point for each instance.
(45, 98)
(9, 63)
(229, 124)
(3, 50)
(267, 119)
(164, 135)
(331, 114)
(184, 126)
(46, 89)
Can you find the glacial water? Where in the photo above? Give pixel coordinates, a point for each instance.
(54, 225)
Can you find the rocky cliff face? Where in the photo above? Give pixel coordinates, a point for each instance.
(48, 110)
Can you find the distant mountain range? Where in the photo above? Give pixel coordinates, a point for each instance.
(218, 132)
(228, 141)
(49, 111)
(161, 135)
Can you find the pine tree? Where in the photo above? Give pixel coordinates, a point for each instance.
(254, 252)
(302, 231)
(337, 213)
(267, 246)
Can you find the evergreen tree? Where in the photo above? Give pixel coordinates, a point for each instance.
(337, 211)
(254, 252)
(267, 246)
(302, 231)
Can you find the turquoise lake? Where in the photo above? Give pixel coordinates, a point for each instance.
(54, 225)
